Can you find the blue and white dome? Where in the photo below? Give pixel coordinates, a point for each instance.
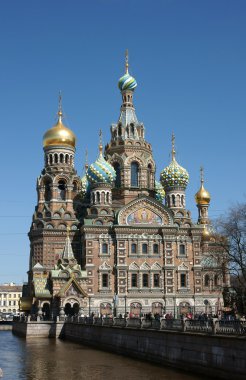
(127, 82)
(174, 175)
(84, 186)
(101, 171)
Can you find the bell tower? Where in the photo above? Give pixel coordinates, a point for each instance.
(128, 151)
(57, 188)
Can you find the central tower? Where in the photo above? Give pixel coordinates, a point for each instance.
(128, 151)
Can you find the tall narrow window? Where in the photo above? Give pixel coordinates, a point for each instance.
(62, 190)
(182, 249)
(134, 280)
(144, 248)
(104, 248)
(116, 166)
(156, 280)
(145, 280)
(47, 191)
(206, 280)
(183, 280)
(105, 280)
(149, 176)
(134, 248)
(216, 280)
(155, 248)
(134, 174)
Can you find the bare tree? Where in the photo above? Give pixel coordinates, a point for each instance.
(231, 239)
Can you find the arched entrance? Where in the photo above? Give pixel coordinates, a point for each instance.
(184, 308)
(105, 309)
(46, 311)
(71, 309)
(135, 309)
(157, 308)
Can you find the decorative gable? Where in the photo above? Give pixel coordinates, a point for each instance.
(183, 267)
(156, 266)
(145, 266)
(134, 266)
(145, 212)
(105, 266)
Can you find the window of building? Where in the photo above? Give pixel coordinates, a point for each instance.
(104, 248)
(134, 280)
(62, 190)
(182, 249)
(156, 280)
(155, 248)
(116, 166)
(105, 280)
(134, 174)
(149, 176)
(183, 280)
(206, 280)
(134, 248)
(145, 280)
(144, 248)
(216, 280)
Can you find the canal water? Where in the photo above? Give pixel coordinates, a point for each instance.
(50, 359)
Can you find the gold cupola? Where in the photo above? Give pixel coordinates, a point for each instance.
(202, 197)
(59, 134)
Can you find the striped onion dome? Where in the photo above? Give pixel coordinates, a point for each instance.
(127, 82)
(159, 192)
(100, 171)
(84, 186)
(174, 175)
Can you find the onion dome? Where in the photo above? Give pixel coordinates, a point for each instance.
(101, 171)
(159, 192)
(202, 197)
(127, 82)
(174, 174)
(205, 234)
(59, 134)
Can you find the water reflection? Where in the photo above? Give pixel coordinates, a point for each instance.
(39, 359)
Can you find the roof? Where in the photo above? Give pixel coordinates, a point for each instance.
(11, 288)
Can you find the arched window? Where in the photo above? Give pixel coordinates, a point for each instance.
(62, 190)
(156, 248)
(145, 280)
(47, 191)
(144, 248)
(216, 280)
(104, 248)
(116, 166)
(149, 176)
(173, 200)
(56, 158)
(182, 249)
(206, 280)
(119, 131)
(134, 174)
(134, 248)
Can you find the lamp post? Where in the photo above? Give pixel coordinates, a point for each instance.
(174, 308)
(89, 297)
(125, 304)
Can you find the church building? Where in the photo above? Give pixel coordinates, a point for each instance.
(119, 240)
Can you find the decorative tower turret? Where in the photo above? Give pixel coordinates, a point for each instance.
(57, 189)
(128, 151)
(101, 176)
(202, 198)
(174, 179)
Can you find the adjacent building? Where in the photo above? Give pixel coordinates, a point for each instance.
(118, 240)
(9, 298)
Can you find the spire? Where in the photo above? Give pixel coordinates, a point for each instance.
(202, 175)
(60, 113)
(67, 250)
(126, 61)
(100, 143)
(173, 147)
(86, 160)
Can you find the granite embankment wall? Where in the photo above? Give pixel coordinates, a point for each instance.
(213, 356)
(41, 329)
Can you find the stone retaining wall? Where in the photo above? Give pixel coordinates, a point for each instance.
(41, 329)
(212, 356)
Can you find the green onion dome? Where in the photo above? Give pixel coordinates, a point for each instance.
(100, 171)
(127, 82)
(174, 175)
(159, 192)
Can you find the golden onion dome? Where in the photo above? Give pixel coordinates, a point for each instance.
(205, 234)
(59, 134)
(202, 197)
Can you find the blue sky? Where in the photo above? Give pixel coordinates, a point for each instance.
(189, 59)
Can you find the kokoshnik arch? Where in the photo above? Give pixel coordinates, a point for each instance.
(118, 240)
